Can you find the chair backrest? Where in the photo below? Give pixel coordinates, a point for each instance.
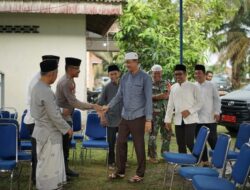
(200, 142)
(24, 131)
(243, 135)
(8, 141)
(77, 121)
(220, 151)
(241, 167)
(8, 113)
(5, 115)
(94, 129)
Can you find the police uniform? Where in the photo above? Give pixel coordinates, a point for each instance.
(159, 107)
(66, 100)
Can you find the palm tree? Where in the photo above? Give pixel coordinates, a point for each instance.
(237, 44)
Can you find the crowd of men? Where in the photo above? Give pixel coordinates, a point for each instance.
(133, 103)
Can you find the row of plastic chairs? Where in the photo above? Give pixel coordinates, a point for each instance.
(11, 155)
(220, 156)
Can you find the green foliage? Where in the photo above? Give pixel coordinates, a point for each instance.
(151, 29)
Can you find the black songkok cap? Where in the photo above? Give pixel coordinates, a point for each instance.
(180, 67)
(113, 68)
(200, 67)
(73, 61)
(48, 65)
(45, 57)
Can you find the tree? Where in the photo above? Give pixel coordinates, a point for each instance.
(235, 45)
(151, 28)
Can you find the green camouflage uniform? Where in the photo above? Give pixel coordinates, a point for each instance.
(159, 109)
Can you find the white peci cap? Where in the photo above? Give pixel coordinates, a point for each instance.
(156, 68)
(131, 56)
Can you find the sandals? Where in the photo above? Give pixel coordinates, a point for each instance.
(135, 179)
(116, 176)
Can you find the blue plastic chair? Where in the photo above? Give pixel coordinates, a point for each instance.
(187, 159)
(96, 135)
(239, 174)
(77, 125)
(218, 160)
(24, 135)
(8, 149)
(242, 137)
(8, 113)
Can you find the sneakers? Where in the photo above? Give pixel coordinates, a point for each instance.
(111, 166)
(205, 164)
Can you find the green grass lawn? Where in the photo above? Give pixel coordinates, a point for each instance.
(93, 174)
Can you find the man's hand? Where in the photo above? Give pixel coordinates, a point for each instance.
(70, 132)
(168, 126)
(105, 108)
(162, 96)
(185, 113)
(66, 112)
(97, 108)
(216, 117)
(103, 119)
(169, 86)
(148, 126)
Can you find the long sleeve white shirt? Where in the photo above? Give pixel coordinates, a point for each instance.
(186, 96)
(28, 119)
(211, 102)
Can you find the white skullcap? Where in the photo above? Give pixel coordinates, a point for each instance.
(156, 68)
(131, 56)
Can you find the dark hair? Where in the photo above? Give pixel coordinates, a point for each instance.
(113, 68)
(209, 72)
(200, 68)
(180, 67)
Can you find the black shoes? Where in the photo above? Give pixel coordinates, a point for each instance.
(71, 173)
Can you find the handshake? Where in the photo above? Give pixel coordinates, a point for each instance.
(101, 110)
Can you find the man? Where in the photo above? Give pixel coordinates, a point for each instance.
(135, 92)
(113, 117)
(67, 101)
(209, 114)
(161, 91)
(209, 75)
(49, 127)
(30, 121)
(184, 101)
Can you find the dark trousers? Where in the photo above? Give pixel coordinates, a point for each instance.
(212, 138)
(111, 132)
(136, 128)
(30, 127)
(185, 134)
(66, 147)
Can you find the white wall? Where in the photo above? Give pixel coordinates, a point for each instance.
(20, 54)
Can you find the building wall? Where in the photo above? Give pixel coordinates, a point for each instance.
(20, 54)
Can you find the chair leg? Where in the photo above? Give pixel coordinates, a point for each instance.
(81, 156)
(30, 176)
(107, 163)
(172, 177)
(165, 175)
(11, 180)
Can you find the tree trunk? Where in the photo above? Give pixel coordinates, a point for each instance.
(236, 68)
